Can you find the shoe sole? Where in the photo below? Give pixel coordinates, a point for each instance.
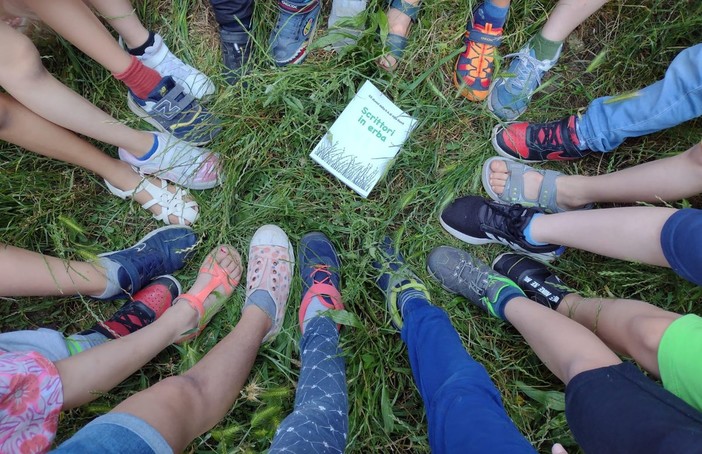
(542, 257)
(505, 154)
(144, 115)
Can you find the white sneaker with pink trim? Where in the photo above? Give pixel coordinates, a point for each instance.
(180, 162)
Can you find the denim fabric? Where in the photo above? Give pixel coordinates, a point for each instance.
(233, 15)
(682, 245)
(319, 422)
(667, 103)
(464, 409)
(116, 433)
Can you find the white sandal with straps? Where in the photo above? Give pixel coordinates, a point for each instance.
(172, 204)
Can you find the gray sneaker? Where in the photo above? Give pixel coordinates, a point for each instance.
(459, 272)
(510, 96)
(293, 33)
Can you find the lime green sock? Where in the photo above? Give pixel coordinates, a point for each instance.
(544, 49)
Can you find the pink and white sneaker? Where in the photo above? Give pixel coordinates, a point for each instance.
(180, 162)
(271, 262)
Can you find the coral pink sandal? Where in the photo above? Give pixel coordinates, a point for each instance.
(220, 277)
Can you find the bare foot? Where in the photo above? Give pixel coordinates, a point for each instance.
(126, 179)
(532, 184)
(222, 264)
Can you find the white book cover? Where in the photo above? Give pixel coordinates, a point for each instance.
(360, 145)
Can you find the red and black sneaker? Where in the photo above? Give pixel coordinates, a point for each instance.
(147, 305)
(527, 142)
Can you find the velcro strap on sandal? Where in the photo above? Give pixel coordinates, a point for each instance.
(484, 38)
(396, 45)
(407, 8)
(292, 8)
(547, 192)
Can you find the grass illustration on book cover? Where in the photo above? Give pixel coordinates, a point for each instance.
(363, 141)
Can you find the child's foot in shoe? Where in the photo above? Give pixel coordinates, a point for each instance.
(535, 278)
(236, 54)
(514, 182)
(400, 17)
(145, 307)
(219, 275)
(459, 272)
(474, 67)
(535, 142)
(180, 162)
(271, 262)
(170, 109)
(166, 202)
(319, 270)
(161, 252)
(155, 54)
(293, 33)
(397, 281)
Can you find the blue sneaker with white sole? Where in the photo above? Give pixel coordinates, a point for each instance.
(161, 252)
(292, 35)
(170, 109)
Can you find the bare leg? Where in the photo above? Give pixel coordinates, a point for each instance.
(74, 20)
(122, 17)
(181, 408)
(630, 327)
(567, 15)
(23, 127)
(103, 367)
(564, 346)
(25, 78)
(50, 275)
(630, 233)
(666, 179)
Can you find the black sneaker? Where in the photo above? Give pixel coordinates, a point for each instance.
(537, 281)
(476, 220)
(236, 53)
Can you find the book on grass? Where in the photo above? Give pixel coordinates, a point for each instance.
(362, 142)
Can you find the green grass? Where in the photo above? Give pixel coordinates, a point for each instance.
(271, 127)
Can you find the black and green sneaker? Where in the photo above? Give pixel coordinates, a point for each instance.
(459, 272)
(532, 276)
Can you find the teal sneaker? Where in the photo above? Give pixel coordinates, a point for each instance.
(459, 272)
(510, 96)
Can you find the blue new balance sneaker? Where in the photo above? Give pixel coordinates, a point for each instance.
(510, 96)
(161, 252)
(293, 33)
(170, 109)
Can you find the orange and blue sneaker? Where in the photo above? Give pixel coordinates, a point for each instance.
(475, 66)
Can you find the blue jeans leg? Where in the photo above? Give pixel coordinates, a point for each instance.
(464, 409)
(233, 15)
(667, 103)
(319, 422)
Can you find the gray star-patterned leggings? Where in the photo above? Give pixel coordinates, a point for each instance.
(319, 422)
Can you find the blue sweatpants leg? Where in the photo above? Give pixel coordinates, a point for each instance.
(664, 104)
(464, 409)
(319, 422)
